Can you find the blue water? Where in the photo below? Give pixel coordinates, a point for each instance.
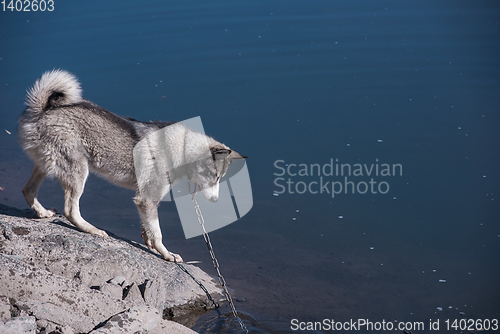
(409, 83)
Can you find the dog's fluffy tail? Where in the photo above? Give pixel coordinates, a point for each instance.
(55, 88)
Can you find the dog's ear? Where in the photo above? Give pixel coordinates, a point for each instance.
(222, 153)
(219, 153)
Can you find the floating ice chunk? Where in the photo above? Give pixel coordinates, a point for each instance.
(442, 281)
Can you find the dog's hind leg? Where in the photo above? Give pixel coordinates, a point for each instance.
(151, 232)
(30, 192)
(73, 189)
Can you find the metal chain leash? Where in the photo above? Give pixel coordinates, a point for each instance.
(222, 281)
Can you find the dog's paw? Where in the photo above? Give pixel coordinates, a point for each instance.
(101, 233)
(173, 258)
(46, 213)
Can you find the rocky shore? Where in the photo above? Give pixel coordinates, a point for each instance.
(56, 279)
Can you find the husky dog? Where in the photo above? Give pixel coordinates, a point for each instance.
(67, 136)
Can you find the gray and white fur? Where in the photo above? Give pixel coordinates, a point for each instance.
(67, 136)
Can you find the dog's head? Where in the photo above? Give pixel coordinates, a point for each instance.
(209, 171)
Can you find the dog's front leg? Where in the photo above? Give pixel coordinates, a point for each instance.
(148, 210)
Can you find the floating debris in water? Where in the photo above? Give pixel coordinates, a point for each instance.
(439, 308)
(433, 270)
(450, 306)
(461, 313)
(380, 141)
(8, 131)
(294, 218)
(372, 248)
(460, 128)
(275, 194)
(340, 217)
(442, 281)
(296, 210)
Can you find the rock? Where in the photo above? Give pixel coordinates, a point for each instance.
(45, 326)
(133, 294)
(73, 282)
(55, 298)
(4, 309)
(112, 290)
(118, 280)
(140, 319)
(19, 325)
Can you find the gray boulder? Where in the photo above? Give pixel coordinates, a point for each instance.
(140, 319)
(74, 282)
(19, 325)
